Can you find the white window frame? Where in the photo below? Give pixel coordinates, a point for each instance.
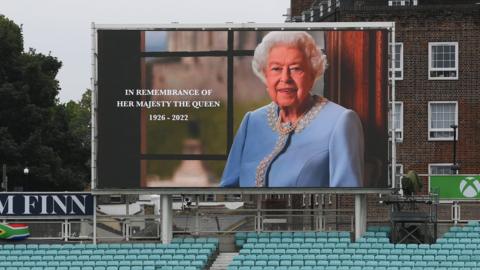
(401, 173)
(399, 165)
(393, 69)
(400, 170)
(398, 178)
(392, 127)
(403, 3)
(431, 68)
(430, 129)
(430, 165)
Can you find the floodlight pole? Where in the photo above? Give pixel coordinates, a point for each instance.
(360, 215)
(167, 218)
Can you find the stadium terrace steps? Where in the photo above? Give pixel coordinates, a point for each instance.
(223, 260)
(458, 249)
(182, 254)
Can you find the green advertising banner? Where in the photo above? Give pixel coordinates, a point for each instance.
(456, 187)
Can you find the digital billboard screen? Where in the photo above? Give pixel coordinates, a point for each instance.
(241, 107)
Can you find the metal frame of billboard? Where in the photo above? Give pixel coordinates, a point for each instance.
(389, 26)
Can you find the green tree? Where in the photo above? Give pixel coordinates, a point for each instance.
(35, 131)
(79, 116)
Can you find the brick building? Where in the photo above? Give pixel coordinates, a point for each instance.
(437, 73)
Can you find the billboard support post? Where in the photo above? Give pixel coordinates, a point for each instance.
(360, 215)
(259, 226)
(197, 221)
(94, 219)
(320, 217)
(167, 218)
(126, 225)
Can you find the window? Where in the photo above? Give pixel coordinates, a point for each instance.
(440, 169)
(398, 124)
(443, 60)
(398, 173)
(441, 115)
(397, 3)
(397, 70)
(399, 170)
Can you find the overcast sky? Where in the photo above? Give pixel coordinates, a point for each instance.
(63, 27)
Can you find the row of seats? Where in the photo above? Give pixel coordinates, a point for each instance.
(291, 237)
(195, 240)
(296, 245)
(114, 252)
(362, 251)
(355, 267)
(467, 229)
(358, 246)
(151, 257)
(306, 251)
(354, 262)
(298, 240)
(390, 250)
(462, 235)
(386, 229)
(203, 250)
(103, 268)
(375, 234)
(331, 234)
(451, 240)
(175, 244)
(158, 264)
(387, 248)
(346, 257)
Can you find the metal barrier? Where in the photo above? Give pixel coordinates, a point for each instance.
(52, 229)
(200, 221)
(195, 220)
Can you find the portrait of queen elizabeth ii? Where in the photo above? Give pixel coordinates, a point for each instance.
(299, 139)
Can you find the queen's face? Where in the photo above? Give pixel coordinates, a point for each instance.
(289, 76)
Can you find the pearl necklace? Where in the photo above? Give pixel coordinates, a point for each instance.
(275, 121)
(286, 127)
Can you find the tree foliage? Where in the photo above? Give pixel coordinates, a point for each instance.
(35, 130)
(411, 183)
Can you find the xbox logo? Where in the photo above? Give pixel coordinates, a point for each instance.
(469, 187)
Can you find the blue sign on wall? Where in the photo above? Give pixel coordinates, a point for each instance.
(46, 204)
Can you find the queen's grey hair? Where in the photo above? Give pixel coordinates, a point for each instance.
(299, 39)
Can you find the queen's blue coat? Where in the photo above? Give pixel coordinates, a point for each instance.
(328, 152)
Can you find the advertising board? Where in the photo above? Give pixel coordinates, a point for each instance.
(456, 187)
(46, 204)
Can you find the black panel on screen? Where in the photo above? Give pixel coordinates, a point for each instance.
(118, 130)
